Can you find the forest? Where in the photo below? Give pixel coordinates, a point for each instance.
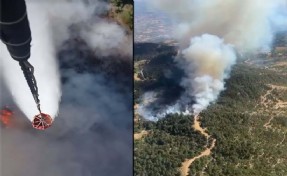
(123, 11)
(248, 121)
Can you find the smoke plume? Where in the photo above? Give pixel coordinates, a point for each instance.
(209, 33)
(206, 62)
(46, 70)
(50, 23)
(93, 132)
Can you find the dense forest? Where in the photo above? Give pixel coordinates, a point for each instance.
(248, 121)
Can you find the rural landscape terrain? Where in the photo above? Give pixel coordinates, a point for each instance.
(242, 134)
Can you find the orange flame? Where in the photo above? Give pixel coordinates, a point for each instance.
(5, 116)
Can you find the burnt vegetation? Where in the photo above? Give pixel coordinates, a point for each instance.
(76, 56)
(244, 147)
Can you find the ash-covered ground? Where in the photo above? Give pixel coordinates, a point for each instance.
(158, 74)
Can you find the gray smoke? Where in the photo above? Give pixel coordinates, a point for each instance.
(209, 32)
(207, 63)
(43, 58)
(92, 134)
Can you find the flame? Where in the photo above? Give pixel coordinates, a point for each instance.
(5, 116)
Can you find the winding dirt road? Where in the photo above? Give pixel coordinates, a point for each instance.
(184, 169)
(196, 126)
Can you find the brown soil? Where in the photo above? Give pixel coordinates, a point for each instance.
(196, 126)
(136, 77)
(269, 103)
(138, 136)
(184, 169)
(187, 163)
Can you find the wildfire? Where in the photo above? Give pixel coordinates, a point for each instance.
(5, 116)
(41, 121)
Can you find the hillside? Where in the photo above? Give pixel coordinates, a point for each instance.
(242, 134)
(122, 12)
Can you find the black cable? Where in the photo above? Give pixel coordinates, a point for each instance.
(28, 71)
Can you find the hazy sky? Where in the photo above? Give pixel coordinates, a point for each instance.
(151, 25)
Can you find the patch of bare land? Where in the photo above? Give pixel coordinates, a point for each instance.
(138, 136)
(275, 104)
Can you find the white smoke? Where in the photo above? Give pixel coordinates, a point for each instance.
(206, 62)
(43, 58)
(106, 38)
(208, 31)
(95, 117)
(117, 42)
(143, 109)
(50, 23)
(246, 24)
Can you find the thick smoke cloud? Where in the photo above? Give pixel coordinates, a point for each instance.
(92, 134)
(50, 23)
(248, 25)
(206, 62)
(209, 32)
(46, 70)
